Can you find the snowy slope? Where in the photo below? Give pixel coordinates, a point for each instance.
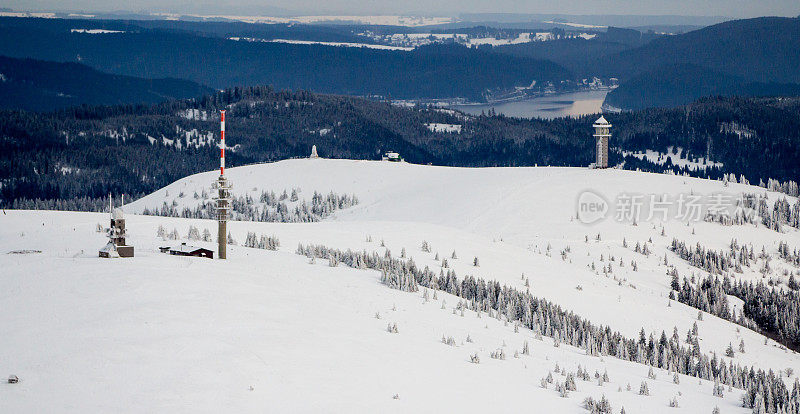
(160, 333)
(157, 333)
(507, 217)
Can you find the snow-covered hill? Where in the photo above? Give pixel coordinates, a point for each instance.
(158, 332)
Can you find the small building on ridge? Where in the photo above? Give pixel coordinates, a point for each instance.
(186, 250)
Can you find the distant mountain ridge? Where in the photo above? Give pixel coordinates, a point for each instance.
(765, 49)
(580, 55)
(675, 85)
(752, 57)
(37, 85)
(436, 71)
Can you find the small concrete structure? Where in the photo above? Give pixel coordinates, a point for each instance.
(392, 157)
(186, 250)
(116, 246)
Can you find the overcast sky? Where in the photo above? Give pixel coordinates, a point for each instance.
(730, 8)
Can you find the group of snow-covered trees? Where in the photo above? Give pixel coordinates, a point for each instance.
(264, 242)
(751, 207)
(767, 308)
(770, 310)
(67, 204)
(193, 234)
(395, 273)
(773, 215)
(791, 256)
(547, 318)
(708, 295)
(269, 208)
(715, 262)
(787, 187)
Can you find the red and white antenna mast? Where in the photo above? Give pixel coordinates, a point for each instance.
(222, 143)
(223, 197)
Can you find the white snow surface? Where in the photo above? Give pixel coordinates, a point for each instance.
(161, 333)
(95, 31)
(315, 42)
(38, 15)
(385, 20)
(676, 156)
(580, 25)
(342, 44)
(448, 128)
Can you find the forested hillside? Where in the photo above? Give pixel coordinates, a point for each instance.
(672, 85)
(87, 152)
(752, 57)
(581, 55)
(763, 49)
(437, 71)
(37, 85)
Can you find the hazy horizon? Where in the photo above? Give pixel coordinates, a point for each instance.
(710, 8)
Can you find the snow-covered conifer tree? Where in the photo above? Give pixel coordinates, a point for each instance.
(729, 351)
(643, 389)
(426, 247)
(569, 382)
(251, 240)
(674, 402)
(194, 233)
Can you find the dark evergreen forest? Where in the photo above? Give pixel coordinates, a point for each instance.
(134, 149)
(45, 86)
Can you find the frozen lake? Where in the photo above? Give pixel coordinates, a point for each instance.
(553, 106)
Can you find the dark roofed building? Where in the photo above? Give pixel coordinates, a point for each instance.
(186, 250)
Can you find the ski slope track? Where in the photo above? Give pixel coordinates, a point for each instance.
(268, 331)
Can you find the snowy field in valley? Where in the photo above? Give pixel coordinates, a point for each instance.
(315, 42)
(341, 44)
(446, 128)
(95, 31)
(384, 20)
(677, 158)
(268, 330)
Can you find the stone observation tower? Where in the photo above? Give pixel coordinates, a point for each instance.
(223, 196)
(602, 132)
